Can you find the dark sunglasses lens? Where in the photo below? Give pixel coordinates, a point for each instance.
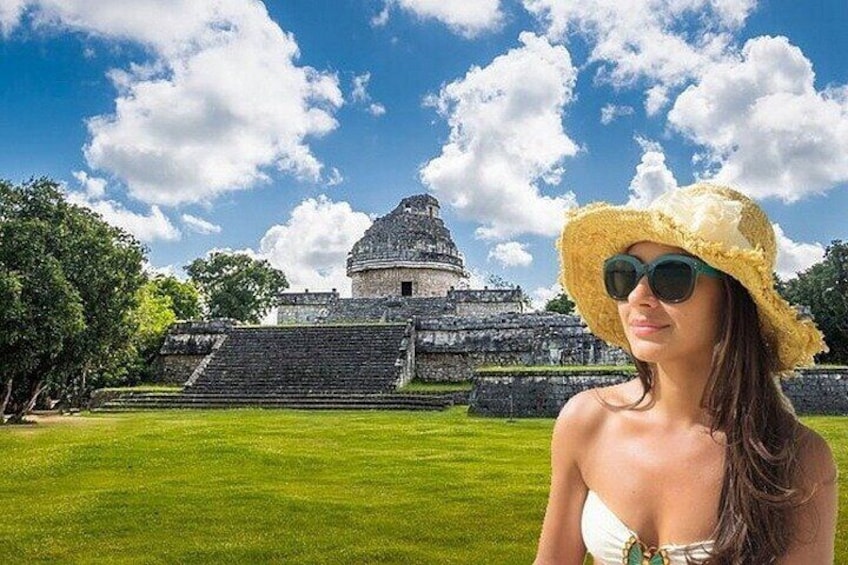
(673, 281)
(619, 278)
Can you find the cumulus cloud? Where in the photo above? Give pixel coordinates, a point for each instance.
(653, 177)
(506, 137)
(199, 225)
(468, 18)
(764, 126)
(94, 187)
(220, 104)
(511, 254)
(146, 227)
(663, 41)
(610, 112)
(794, 257)
(311, 247)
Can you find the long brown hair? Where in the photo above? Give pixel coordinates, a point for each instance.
(745, 403)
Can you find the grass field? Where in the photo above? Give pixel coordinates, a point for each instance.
(252, 486)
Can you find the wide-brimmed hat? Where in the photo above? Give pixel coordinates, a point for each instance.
(721, 226)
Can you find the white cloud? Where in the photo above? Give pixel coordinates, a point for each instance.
(360, 95)
(335, 177)
(664, 41)
(511, 254)
(506, 137)
(476, 279)
(199, 225)
(165, 271)
(94, 187)
(220, 103)
(610, 112)
(146, 227)
(764, 126)
(382, 18)
(541, 295)
(360, 88)
(10, 13)
(793, 257)
(468, 18)
(376, 109)
(652, 177)
(311, 247)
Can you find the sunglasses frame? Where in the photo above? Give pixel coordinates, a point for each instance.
(697, 267)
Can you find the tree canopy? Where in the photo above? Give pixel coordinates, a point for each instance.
(561, 304)
(68, 283)
(823, 288)
(235, 285)
(184, 296)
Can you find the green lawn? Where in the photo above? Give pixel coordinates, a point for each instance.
(252, 486)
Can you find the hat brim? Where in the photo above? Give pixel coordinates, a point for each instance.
(594, 233)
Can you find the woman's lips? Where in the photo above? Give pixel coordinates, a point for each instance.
(642, 329)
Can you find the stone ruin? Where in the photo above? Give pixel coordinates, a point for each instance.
(407, 278)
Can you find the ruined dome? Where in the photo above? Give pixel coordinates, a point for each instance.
(411, 235)
(407, 252)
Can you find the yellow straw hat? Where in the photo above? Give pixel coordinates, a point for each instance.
(721, 226)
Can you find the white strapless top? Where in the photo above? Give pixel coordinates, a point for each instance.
(606, 537)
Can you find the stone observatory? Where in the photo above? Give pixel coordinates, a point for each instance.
(407, 252)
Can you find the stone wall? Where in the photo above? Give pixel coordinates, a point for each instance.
(305, 307)
(819, 390)
(541, 394)
(450, 348)
(185, 347)
(527, 394)
(486, 302)
(387, 282)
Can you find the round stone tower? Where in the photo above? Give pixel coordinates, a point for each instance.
(407, 252)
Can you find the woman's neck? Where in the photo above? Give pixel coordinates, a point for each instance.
(678, 391)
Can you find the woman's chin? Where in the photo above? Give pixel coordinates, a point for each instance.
(647, 351)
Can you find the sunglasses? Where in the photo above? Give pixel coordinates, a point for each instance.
(671, 277)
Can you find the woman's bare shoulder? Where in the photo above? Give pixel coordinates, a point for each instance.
(586, 412)
(818, 466)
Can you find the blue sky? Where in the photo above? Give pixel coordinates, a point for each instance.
(283, 128)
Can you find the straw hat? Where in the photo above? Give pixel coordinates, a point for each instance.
(717, 224)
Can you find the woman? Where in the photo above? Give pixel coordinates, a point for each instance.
(701, 458)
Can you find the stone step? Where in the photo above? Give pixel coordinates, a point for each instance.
(156, 401)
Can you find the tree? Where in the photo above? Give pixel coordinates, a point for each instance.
(185, 299)
(235, 285)
(561, 304)
(153, 316)
(70, 281)
(823, 288)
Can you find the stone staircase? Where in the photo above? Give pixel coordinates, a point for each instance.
(355, 366)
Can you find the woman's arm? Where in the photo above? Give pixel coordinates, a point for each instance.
(561, 542)
(815, 520)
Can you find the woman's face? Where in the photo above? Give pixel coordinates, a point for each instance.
(661, 332)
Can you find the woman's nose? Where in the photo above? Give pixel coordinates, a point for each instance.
(642, 293)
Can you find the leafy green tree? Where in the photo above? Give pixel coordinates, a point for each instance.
(235, 285)
(153, 316)
(561, 304)
(185, 299)
(823, 288)
(70, 281)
